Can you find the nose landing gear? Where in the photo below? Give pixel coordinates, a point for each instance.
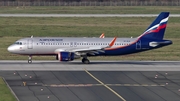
(29, 59)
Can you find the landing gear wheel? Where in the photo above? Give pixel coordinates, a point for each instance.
(85, 61)
(29, 61)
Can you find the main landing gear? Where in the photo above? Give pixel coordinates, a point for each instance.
(85, 60)
(29, 59)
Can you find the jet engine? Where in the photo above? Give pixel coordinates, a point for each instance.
(65, 56)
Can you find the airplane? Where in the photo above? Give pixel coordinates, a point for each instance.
(70, 48)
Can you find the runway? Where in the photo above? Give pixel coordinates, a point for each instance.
(98, 81)
(84, 15)
(93, 66)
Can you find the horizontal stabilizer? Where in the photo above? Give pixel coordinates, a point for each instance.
(154, 44)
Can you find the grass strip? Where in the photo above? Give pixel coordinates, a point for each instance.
(5, 93)
(88, 9)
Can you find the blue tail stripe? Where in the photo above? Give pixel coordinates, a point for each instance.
(157, 28)
(161, 16)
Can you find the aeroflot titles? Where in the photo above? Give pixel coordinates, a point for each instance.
(50, 39)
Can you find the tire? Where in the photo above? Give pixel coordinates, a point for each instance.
(29, 61)
(86, 61)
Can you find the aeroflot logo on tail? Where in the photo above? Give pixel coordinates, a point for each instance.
(157, 27)
(50, 39)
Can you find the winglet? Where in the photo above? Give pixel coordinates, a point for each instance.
(102, 35)
(112, 42)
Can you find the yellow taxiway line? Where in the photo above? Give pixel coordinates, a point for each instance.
(105, 85)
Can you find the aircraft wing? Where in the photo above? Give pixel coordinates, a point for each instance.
(90, 50)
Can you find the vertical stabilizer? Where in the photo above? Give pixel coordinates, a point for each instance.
(157, 28)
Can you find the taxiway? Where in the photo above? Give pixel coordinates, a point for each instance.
(7, 65)
(98, 81)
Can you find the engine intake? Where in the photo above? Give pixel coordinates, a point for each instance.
(65, 56)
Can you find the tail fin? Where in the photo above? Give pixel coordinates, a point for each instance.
(157, 28)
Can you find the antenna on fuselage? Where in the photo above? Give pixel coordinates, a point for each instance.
(31, 36)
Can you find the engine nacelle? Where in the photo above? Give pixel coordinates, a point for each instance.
(65, 56)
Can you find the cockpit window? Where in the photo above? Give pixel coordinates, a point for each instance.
(18, 43)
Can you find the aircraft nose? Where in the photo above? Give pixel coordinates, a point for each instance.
(10, 49)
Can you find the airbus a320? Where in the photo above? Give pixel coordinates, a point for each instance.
(70, 48)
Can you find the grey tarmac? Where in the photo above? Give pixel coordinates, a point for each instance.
(9, 65)
(81, 84)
